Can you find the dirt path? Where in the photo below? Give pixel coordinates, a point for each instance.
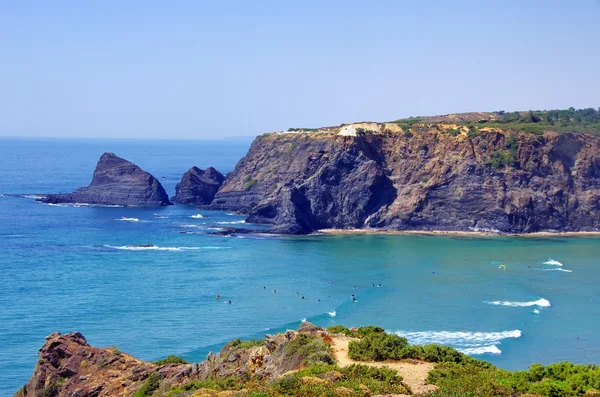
(414, 372)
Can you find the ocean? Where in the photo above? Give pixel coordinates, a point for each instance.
(66, 268)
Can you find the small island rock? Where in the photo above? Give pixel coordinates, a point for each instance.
(116, 181)
(198, 187)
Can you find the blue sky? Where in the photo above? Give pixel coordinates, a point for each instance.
(198, 69)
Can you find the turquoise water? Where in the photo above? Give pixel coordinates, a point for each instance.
(69, 268)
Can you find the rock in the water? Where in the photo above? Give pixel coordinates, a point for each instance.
(116, 181)
(429, 178)
(198, 187)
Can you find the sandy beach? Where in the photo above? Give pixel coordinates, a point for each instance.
(453, 233)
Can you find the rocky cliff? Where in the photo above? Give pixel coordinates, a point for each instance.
(69, 366)
(198, 187)
(418, 176)
(116, 181)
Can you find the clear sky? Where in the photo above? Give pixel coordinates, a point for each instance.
(210, 69)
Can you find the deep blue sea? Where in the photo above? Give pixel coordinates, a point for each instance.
(65, 268)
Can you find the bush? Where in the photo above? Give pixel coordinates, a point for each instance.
(408, 134)
(170, 360)
(377, 347)
(151, 384)
(312, 350)
(246, 344)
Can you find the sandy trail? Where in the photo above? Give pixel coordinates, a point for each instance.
(413, 372)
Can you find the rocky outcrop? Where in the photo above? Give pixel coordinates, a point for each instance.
(198, 187)
(69, 366)
(425, 177)
(116, 181)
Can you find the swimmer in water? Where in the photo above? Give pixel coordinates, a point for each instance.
(353, 299)
(274, 291)
(302, 298)
(354, 287)
(297, 293)
(318, 300)
(218, 296)
(264, 287)
(229, 302)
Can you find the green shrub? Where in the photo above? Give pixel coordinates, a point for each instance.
(408, 134)
(246, 344)
(251, 184)
(116, 351)
(170, 360)
(151, 384)
(312, 350)
(377, 347)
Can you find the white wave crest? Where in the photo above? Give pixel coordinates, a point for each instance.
(128, 219)
(540, 302)
(156, 248)
(33, 196)
(552, 262)
(231, 223)
(303, 320)
(461, 340)
(332, 313)
(490, 349)
(197, 216)
(557, 270)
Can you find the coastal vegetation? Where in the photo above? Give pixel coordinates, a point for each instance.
(533, 121)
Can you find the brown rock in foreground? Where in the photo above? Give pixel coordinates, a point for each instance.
(69, 366)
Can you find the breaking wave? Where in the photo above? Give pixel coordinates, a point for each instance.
(553, 262)
(540, 302)
(491, 349)
(156, 248)
(128, 219)
(466, 342)
(231, 223)
(332, 313)
(197, 216)
(557, 270)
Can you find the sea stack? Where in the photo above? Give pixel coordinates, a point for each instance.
(116, 181)
(198, 187)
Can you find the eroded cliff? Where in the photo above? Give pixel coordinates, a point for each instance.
(422, 176)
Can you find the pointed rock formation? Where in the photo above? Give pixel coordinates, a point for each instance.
(198, 187)
(116, 181)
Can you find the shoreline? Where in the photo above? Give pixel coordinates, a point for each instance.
(452, 233)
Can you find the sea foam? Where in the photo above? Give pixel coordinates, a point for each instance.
(156, 248)
(332, 313)
(553, 262)
(466, 342)
(540, 302)
(197, 216)
(231, 223)
(128, 219)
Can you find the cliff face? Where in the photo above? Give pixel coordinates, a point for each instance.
(116, 181)
(198, 187)
(428, 177)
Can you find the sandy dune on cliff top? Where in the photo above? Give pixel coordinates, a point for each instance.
(413, 372)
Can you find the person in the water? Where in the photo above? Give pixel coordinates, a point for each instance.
(302, 298)
(354, 300)
(274, 291)
(229, 302)
(218, 296)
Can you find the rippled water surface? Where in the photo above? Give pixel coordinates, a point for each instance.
(81, 268)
